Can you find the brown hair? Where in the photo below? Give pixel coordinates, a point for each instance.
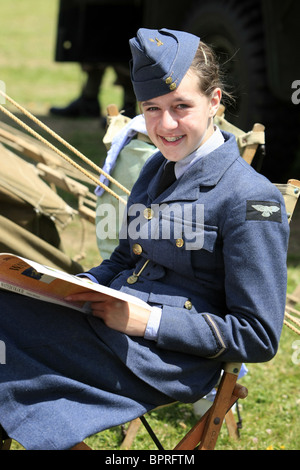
(207, 67)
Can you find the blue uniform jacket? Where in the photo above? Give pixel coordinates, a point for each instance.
(222, 298)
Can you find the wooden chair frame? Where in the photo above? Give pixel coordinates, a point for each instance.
(204, 435)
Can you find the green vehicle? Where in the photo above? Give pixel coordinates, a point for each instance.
(257, 42)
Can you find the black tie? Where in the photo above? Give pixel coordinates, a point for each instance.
(167, 178)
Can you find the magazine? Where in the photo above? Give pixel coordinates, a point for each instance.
(26, 277)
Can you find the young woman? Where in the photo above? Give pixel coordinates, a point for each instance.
(207, 253)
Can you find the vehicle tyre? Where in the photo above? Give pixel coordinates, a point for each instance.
(235, 30)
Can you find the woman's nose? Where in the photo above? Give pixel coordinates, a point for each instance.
(168, 121)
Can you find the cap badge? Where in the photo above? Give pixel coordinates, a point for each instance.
(158, 42)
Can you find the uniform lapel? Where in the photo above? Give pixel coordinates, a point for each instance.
(207, 171)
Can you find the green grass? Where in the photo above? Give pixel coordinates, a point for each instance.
(27, 40)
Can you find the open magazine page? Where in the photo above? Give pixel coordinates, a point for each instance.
(32, 279)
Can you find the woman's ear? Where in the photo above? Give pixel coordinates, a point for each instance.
(215, 101)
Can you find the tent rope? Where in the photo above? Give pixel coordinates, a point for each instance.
(291, 327)
(293, 319)
(66, 144)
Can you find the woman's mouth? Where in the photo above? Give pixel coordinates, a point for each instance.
(173, 138)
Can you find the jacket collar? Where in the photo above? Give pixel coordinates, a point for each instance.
(207, 171)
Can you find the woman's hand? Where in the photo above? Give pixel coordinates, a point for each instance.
(119, 315)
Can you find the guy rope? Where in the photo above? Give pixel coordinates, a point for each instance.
(66, 144)
(294, 318)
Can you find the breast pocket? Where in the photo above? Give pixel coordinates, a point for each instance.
(181, 232)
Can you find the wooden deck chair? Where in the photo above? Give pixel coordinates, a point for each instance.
(248, 142)
(291, 195)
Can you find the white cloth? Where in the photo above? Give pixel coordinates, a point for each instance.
(215, 141)
(135, 126)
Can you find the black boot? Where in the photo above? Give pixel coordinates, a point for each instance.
(81, 107)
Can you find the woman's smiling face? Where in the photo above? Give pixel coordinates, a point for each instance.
(181, 121)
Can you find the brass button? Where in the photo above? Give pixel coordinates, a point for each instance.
(179, 242)
(188, 305)
(169, 80)
(173, 86)
(132, 279)
(137, 249)
(148, 214)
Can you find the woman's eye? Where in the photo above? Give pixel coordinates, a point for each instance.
(182, 106)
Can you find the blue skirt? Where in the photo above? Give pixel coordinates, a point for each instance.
(61, 383)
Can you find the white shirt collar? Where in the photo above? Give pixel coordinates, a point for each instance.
(215, 141)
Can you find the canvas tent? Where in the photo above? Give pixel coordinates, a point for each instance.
(30, 214)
